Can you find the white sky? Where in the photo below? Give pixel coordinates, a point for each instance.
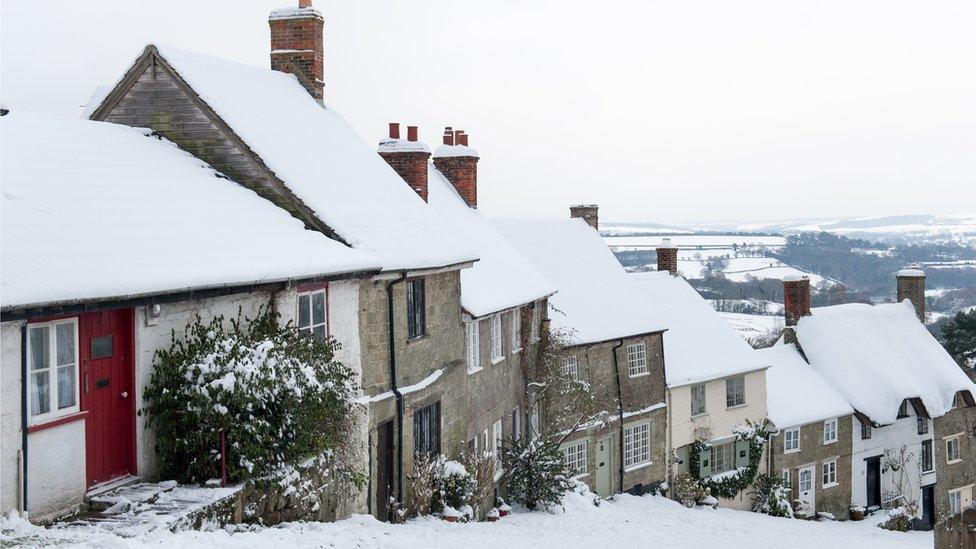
(672, 111)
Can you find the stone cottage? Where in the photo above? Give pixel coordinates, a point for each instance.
(812, 441)
(609, 342)
(899, 380)
(111, 239)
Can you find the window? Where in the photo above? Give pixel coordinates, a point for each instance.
(865, 431)
(571, 367)
(952, 449)
(723, 457)
(471, 340)
(495, 338)
(636, 359)
(534, 420)
(955, 502)
(574, 457)
(928, 464)
(416, 309)
(427, 430)
(517, 423)
(903, 409)
(698, 399)
(637, 444)
(735, 391)
(53, 363)
(830, 431)
(516, 330)
(496, 444)
(791, 440)
(923, 425)
(829, 476)
(786, 479)
(534, 328)
(311, 314)
(102, 347)
(806, 479)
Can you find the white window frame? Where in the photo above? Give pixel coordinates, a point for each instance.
(536, 320)
(931, 446)
(727, 461)
(828, 473)
(787, 483)
(517, 423)
(575, 459)
(52, 368)
(534, 420)
(571, 366)
(950, 442)
(516, 330)
(704, 399)
(735, 381)
(472, 346)
(495, 338)
(637, 360)
(637, 445)
(830, 431)
(791, 435)
(310, 327)
(496, 444)
(955, 501)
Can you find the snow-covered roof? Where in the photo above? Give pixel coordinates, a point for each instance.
(699, 344)
(92, 210)
(324, 162)
(503, 278)
(795, 393)
(595, 300)
(877, 356)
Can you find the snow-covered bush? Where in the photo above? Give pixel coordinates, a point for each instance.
(537, 476)
(276, 394)
(453, 486)
(481, 465)
(771, 497)
(686, 490)
(899, 520)
(423, 484)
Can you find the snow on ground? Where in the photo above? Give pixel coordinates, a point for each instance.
(628, 522)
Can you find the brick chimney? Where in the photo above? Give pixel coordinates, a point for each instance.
(796, 298)
(408, 157)
(459, 164)
(667, 257)
(911, 286)
(589, 213)
(296, 45)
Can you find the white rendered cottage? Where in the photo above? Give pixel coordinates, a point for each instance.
(111, 239)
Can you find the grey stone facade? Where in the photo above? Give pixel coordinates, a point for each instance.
(959, 474)
(643, 397)
(835, 499)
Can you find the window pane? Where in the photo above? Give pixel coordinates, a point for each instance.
(40, 345)
(66, 344)
(40, 393)
(319, 332)
(304, 317)
(102, 347)
(67, 387)
(318, 308)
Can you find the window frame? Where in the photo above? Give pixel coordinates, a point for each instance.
(830, 427)
(575, 453)
(866, 429)
(949, 440)
(516, 330)
(703, 399)
(571, 366)
(955, 507)
(536, 321)
(427, 421)
(637, 445)
(928, 454)
(52, 369)
(310, 328)
(828, 470)
(637, 360)
(788, 448)
(416, 314)
(787, 479)
(496, 444)
(495, 338)
(730, 391)
(517, 423)
(719, 450)
(799, 479)
(472, 345)
(919, 425)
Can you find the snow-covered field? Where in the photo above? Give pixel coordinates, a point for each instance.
(650, 521)
(750, 326)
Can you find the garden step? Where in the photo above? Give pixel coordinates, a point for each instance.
(122, 498)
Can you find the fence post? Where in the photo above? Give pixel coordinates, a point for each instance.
(223, 458)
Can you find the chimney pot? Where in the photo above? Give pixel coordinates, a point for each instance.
(411, 133)
(589, 213)
(911, 286)
(395, 130)
(464, 140)
(448, 136)
(304, 3)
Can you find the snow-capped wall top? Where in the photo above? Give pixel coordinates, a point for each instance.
(911, 273)
(92, 210)
(595, 300)
(877, 356)
(294, 12)
(444, 151)
(795, 393)
(503, 278)
(699, 344)
(794, 278)
(389, 144)
(324, 162)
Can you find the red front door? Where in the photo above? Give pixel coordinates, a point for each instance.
(105, 343)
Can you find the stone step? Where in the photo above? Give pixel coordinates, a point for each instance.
(123, 498)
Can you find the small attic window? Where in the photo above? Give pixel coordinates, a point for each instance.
(903, 409)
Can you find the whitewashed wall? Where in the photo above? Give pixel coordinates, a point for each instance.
(10, 433)
(718, 418)
(901, 434)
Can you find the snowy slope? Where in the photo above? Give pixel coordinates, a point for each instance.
(503, 277)
(92, 210)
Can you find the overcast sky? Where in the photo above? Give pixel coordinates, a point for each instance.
(672, 112)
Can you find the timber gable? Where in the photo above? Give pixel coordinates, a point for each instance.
(153, 95)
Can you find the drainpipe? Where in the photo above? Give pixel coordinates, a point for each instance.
(393, 384)
(620, 412)
(23, 410)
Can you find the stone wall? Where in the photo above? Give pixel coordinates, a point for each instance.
(813, 452)
(959, 474)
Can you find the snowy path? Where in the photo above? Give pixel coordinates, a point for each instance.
(628, 522)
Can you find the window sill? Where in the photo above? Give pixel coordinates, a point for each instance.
(59, 421)
(829, 442)
(475, 370)
(736, 407)
(953, 462)
(642, 374)
(417, 339)
(638, 466)
(928, 472)
(498, 474)
(497, 360)
(516, 351)
(699, 416)
(831, 485)
(797, 451)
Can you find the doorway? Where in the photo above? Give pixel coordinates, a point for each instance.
(873, 481)
(928, 507)
(604, 467)
(384, 470)
(808, 488)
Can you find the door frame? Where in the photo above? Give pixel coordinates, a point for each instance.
(868, 462)
(813, 485)
(382, 500)
(128, 348)
(608, 441)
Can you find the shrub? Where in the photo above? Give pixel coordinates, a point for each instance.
(423, 484)
(538, 479)
(771, 497)
(453, 486)
(278, 395)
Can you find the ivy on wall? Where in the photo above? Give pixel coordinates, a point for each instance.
(728, 485)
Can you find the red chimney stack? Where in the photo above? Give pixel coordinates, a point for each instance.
(407, 158)
(588, 212)
(459, 164)
(297, 45)
(667, 257)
